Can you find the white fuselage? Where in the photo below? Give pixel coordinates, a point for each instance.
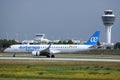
(53, 48)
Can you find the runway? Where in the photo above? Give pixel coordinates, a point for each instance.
(59, 59)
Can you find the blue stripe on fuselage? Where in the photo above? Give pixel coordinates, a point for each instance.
(29, 48)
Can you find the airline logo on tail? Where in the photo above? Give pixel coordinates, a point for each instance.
(93, 40)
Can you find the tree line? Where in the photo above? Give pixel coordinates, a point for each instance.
(65, 42)
(117, 46)
(4, 43)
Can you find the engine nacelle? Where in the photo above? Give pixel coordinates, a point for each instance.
(38, 53)
(35, 53)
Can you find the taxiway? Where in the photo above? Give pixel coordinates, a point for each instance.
(60, 59)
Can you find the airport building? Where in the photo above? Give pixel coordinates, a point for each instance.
(39, 39)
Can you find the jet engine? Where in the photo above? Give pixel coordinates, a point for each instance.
(35, 53)
(42, 53)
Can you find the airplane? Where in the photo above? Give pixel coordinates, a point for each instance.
(49, 50)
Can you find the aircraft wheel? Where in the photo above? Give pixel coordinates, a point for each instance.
(14, 55)
(48, 56)
(52, 56)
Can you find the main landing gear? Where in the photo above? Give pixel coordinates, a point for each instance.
(50, 56)
(14, 55)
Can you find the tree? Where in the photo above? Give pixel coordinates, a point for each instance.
(117, 45)
(64, 42)
(4, 43)
(60, 42)
(70, 42)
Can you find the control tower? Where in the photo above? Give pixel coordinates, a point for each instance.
(108, 19)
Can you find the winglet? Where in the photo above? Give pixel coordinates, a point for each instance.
(93, 40)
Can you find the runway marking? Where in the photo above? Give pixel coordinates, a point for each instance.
(59, 59)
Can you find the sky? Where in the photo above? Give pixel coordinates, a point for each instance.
(58, 19)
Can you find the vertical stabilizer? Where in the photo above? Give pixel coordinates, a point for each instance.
(93, 40)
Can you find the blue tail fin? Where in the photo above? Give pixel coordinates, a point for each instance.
(93, 40)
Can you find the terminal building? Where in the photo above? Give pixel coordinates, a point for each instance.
(39, 39)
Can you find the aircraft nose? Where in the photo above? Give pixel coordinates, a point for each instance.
(6, 50)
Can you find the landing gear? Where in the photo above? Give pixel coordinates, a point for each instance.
(14, 55)
(50, 56)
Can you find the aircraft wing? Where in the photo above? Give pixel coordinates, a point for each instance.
(49, 50)
(46, 52)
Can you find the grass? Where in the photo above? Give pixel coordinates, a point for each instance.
(66, 70)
